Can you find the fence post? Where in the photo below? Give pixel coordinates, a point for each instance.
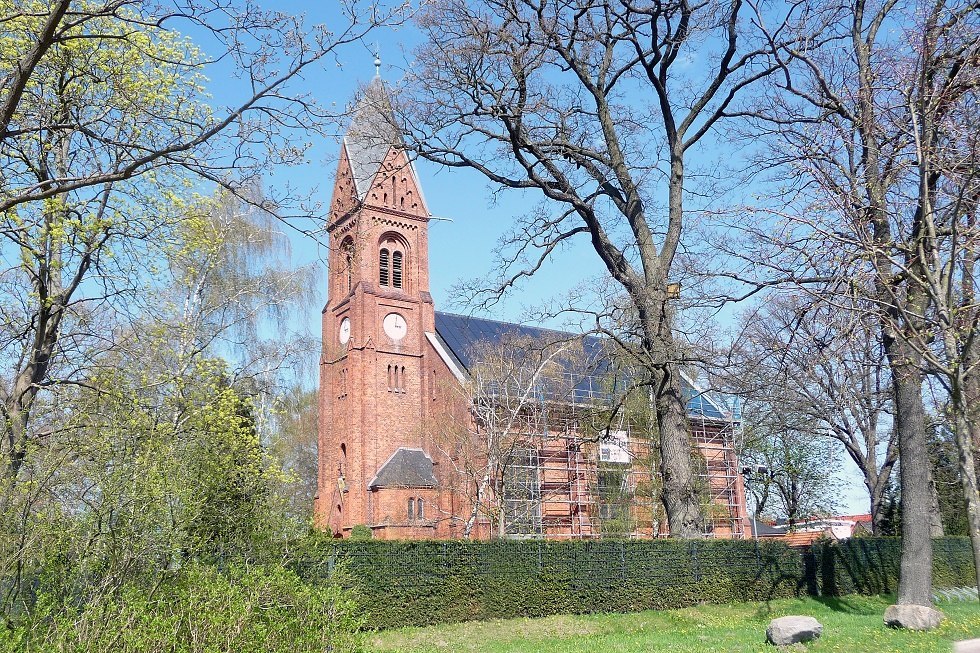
(695, 563)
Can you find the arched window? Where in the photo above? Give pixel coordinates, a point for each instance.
(348, 262)
(411, 509)
(396, 270)
(383, 263)
(419, 513)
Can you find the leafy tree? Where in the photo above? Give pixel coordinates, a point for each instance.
(294, 443)
(104, 124)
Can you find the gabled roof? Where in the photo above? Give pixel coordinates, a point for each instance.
(406, 468)
(371, 135)
(463, 336)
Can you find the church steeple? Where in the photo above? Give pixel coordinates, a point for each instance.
(371, 136)
(374, 324)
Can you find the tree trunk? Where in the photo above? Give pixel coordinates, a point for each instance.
(481, 491)
(936, 528)
(968, 478)
(915, 584)
(877, 489)
(680, 497)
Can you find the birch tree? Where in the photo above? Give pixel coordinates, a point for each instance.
(105, 125)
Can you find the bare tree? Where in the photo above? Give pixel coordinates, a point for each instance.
(799, 480)
(594, 106)
(825, 366)
(837, 121)
(493, 442)
(942, 195)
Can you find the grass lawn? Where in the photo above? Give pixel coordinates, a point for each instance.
(850, 625)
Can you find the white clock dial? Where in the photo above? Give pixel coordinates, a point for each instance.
(344, 333)
(395, 326)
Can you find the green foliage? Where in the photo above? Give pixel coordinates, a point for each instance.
(361, 532)
(870, 565)
(429, 582)
(148, 473)
(197, 609)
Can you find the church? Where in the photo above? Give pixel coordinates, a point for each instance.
(406, 397)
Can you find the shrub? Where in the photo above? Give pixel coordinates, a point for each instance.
(361, 532)
(199, 610)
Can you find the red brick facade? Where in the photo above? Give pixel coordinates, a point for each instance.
(384, 391)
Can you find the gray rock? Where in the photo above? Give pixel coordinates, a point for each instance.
(967, 646)
(912, 617)
(792, 630)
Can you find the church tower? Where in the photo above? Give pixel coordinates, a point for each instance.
(373, 466)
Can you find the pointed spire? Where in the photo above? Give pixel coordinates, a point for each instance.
(371, 135)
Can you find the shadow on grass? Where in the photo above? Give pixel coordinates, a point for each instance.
(848, 605)
(855, 605)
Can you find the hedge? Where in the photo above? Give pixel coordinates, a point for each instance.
(428, 582)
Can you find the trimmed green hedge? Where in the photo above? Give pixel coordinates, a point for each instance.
(870, 565)
(428, 582)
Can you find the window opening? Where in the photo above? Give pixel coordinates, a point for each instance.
(411, 509)
(396, 269)
(383, 267)
(522, 494)
(419, 513)
(349, 264)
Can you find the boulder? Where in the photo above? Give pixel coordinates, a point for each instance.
(912, 617)
(793, 630)
(967, 646)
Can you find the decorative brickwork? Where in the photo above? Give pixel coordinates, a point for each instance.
(389, 383)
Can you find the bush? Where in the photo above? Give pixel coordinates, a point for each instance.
(361, 532)
(428, 582)
(198, 610)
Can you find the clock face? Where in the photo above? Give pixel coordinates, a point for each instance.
(395, 326)
(344, 333)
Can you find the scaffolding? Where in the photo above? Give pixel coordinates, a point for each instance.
(568, 473)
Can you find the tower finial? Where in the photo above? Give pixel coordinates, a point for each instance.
(377, 60)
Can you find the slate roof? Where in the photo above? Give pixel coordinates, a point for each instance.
(406, 468)
(371, 135)
(463, 337)
(762, 529)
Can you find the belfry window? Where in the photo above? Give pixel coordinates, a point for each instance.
(396, 269)
(348, 253)
(383, 267)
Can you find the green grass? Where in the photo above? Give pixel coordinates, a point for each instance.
(851, 625)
